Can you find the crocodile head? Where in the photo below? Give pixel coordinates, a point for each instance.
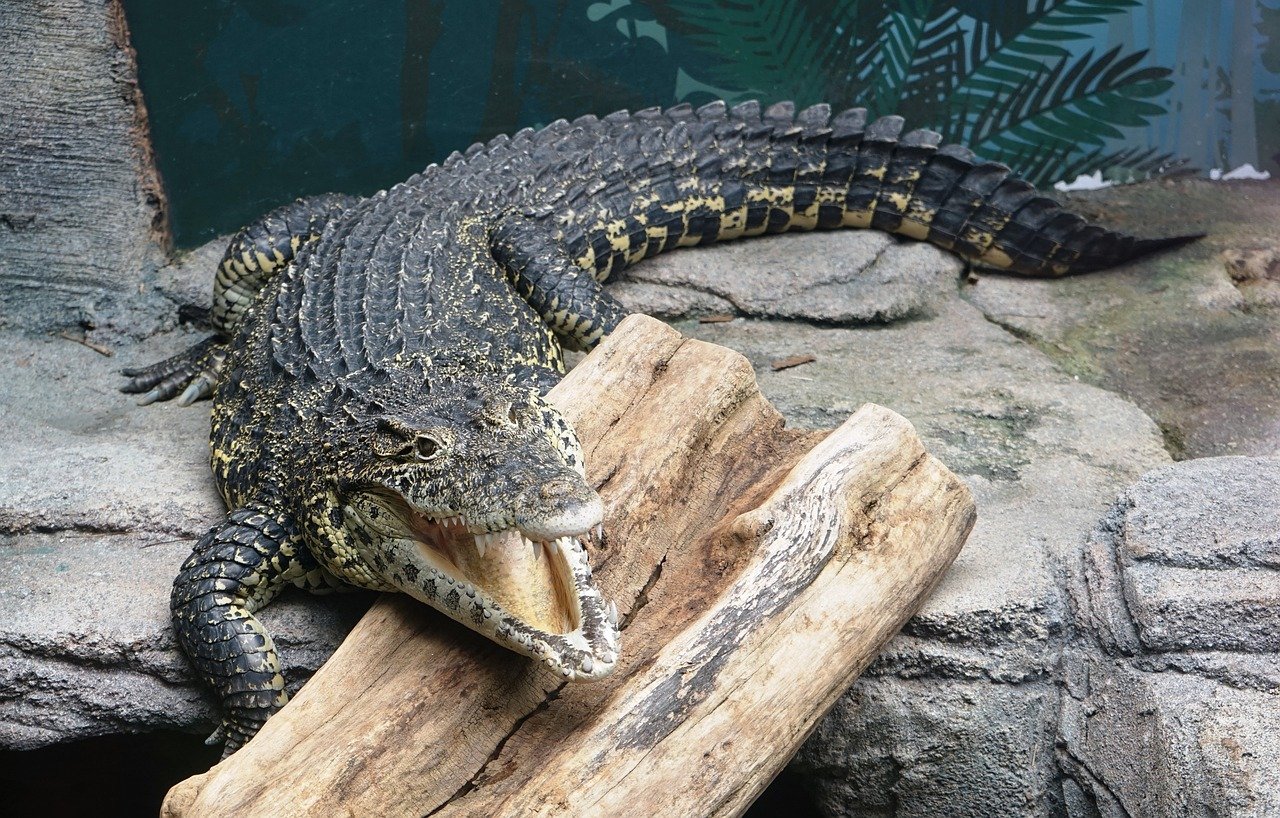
(472, 498)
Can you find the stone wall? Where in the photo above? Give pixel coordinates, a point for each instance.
(1171, 686)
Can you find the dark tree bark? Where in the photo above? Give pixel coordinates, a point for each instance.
(82, 212)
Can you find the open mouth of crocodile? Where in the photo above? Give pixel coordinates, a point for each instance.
(534, 595)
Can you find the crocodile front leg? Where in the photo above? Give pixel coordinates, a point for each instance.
(235, 569)
(566, 296)
(191, 371)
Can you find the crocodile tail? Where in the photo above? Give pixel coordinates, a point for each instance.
(661, 179)
(828, 171)
(1120, 248)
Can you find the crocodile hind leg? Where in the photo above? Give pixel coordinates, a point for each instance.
(254, 255)
(566, 296)
(234, 570)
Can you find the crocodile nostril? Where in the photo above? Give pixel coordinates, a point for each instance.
(559, 489)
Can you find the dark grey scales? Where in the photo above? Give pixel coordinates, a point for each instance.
(379, 365)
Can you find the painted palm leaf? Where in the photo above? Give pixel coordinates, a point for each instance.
(753, 44)
(1079, 103)
(1023, 93)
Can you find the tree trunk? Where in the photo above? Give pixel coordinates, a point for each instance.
(82, 212)
(757, 573)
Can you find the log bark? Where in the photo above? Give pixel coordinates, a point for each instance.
(757, 573)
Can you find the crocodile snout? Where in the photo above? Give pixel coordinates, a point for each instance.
(558, 507)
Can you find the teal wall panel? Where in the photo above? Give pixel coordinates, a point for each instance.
(253, 103)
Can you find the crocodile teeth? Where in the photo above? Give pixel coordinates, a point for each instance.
(598, 531)
(537, 549)
(482, 542)
(611, 611)
(453, 521)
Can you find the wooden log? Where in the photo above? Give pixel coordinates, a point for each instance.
(757, 574)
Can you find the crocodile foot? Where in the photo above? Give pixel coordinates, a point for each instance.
(191, 373)
(235, 730)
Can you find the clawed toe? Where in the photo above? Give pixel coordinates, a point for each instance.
(189, 375)
(235, 730)
(218, 736)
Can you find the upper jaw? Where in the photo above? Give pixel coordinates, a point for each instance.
(525, 590)
(573, 521)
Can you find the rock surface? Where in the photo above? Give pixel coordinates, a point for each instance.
(1172, 677)
(82, 212)
(1187, 336)
(1018, 689)
(866, 277)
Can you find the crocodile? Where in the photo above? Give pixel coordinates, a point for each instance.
(379, 365)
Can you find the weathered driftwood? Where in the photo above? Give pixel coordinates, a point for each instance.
(758, 575)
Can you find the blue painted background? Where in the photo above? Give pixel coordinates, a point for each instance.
(254, 103)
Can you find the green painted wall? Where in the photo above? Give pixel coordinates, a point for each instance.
(253, 103)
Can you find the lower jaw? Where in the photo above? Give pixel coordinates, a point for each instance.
(562, 622)
(531, 582)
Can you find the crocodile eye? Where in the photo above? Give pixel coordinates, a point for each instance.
(426, 448)
(512, 414)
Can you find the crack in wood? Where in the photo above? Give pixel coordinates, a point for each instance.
(474, 781)
(642, 598)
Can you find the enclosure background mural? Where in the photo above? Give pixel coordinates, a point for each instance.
(254, 103)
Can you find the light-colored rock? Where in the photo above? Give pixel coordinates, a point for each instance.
(862, 277)
(1183, 335)
(188, 278)
(75, 453)
(1256, 274)
(1173, 675)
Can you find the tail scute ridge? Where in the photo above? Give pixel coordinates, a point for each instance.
(885, 129)
(851, 121)
(780, 113)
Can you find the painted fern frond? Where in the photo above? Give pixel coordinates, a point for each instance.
(756, 43)
(1021, 94)
(1047, 25)
(1078, 104)
(899, 37)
